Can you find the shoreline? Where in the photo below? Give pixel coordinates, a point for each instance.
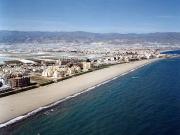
(13, 108)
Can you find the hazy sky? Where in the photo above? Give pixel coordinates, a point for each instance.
(123, 16)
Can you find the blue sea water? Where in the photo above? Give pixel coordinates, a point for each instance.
(144, 102)
(172, 52)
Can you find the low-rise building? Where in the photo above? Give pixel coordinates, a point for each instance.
(18, 82)
(60, 71)
(4, 86)
(86, 66)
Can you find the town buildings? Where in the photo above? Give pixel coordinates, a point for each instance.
(18, 73)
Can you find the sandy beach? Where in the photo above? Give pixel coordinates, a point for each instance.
(20, 104)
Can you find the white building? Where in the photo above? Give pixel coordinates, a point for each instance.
(4, 85)
(86, 66)
(59, 72)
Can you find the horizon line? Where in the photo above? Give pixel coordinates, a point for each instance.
(88, 32)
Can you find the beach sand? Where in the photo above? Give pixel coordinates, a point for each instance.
(20, 104)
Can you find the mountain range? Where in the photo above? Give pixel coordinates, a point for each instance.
(80, 36)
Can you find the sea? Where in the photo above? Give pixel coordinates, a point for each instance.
(143, 102)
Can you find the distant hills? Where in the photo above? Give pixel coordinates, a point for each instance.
(80, 36)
